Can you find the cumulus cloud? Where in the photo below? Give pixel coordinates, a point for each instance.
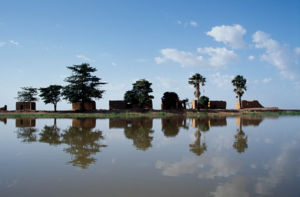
(267, 80)
(83, 57)
(229, 35)
(281, 56)
(215, 57)
(251, 57)
(193, 23)
(221, 81)
(14, 42)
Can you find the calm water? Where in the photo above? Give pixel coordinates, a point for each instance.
(236, 157)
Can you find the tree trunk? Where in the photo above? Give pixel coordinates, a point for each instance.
(240, 101)
(55, 107)
(82, 106)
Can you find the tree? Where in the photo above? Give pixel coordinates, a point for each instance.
(239, 82)
(51, 94)
(203, 101)
(83, 86)
(170, 100)
(196, 80)
(28, 94)
(140, 93)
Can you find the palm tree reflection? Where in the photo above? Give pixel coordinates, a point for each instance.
(240, 143)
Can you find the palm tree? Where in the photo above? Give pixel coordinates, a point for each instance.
(240, 85)
(196, 80)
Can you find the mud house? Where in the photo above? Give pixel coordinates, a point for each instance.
(25, 106)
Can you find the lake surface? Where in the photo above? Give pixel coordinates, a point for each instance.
(234, 156)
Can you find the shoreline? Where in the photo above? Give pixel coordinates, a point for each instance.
(150, 113)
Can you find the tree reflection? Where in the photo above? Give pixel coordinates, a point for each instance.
(26, 130)
(171, 126)
(202, 125)
(197, 147)
(139, 131)
(50, 134)
(240, 142)
(4, 120)
(83, 143)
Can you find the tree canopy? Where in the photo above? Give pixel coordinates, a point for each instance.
(169, 100)
(28, 94)
(82, 85)
(140, 93)
(51, 94)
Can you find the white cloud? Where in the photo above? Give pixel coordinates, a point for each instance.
(2, 44)
(193, 23)
(221, 80)
(280, 56)
(14, 42)
(216, 57)
(114, 64)
(267, 80)
(85, 58)
(251, 57)
(179, 22)
(229, 35)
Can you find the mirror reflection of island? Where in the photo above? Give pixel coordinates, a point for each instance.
(26, 130)
(203, 125)
(136, 129)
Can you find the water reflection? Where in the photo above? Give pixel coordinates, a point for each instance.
(83, 142)
(4, 120)
(171, 126)
(240, 143)
(203, 125)
(50, 134)
(26, 130)
(137, 129)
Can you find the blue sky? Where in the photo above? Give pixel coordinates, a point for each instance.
(164, 42)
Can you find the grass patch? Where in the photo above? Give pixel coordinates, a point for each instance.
(147, 114)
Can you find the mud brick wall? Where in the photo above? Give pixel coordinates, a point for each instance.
(248, 104)
(25, 122)
(116, 105)
(88, 106)
(3, 108)
(25, 106)
(85, 123)
(179, 105)
(218, 122)
(217, 104)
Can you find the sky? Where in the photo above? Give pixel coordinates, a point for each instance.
(164, 42)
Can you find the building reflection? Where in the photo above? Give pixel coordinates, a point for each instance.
(83, 142)
(171, 126)
(4, 120)
(26, 130)
(203, 125)
(136, 129)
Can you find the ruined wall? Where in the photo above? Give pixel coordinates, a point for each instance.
(25, 106)
(117, 104)
(3, 108)
(248, 104)
(88, 106)
(179, 105)
(217, 104)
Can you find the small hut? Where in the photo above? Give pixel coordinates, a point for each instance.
(25, 106)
